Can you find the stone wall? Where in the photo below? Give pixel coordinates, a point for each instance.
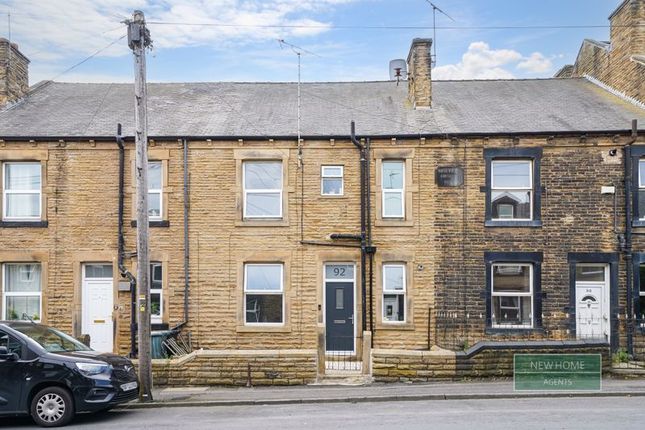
(485, 360)
(230, 367)
(442, 243)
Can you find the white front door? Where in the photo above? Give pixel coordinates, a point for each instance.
(98, 300)
(592, 301)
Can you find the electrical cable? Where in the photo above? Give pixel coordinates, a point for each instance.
(394, 27)
(88, 58)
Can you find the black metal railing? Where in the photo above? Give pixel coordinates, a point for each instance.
(458, 330)
(342, 354)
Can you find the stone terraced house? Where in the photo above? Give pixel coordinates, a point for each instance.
(464, 221)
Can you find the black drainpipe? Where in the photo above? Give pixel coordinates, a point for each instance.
(186, 241)
(628, 237)
(121, 245)
(370, 249)
(363, 236)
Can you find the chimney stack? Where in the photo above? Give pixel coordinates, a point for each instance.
(14, 73)
(419, 74)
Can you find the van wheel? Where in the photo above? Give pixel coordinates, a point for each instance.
(52, 407)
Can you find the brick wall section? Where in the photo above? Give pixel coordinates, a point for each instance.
(14, 73)
(423, 366)
(280, 367)
(613, 66)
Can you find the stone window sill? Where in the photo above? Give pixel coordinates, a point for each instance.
(533, 223)
(24, 224)
(263, 329)
(380, 222)
(395, 327)
(262, 223)
(164, 223)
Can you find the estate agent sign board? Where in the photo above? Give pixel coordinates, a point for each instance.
(557, 372)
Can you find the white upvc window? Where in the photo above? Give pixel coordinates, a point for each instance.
(394, 291)
(264, 294)
(331, 181)
(512, 295)
(155, 190)
(262, 182)
(512, 190)
(21, 291)
(393, 188)
(156, 293)
(21, 194)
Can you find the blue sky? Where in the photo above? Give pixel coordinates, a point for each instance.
(56, 34)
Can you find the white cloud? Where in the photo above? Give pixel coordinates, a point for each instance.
(56, 33)
(482, 62)
(536, 63)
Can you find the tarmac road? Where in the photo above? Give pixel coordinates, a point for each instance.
(535, 413)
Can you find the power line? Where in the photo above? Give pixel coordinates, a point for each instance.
(88, 58)
(395, 27)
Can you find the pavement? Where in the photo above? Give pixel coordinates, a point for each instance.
(375, 392)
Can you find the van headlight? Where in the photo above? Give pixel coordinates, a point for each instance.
(93, 369)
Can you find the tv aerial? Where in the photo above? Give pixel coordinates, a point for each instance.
(436, 9)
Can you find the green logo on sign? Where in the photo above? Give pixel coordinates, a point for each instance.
(557, 372)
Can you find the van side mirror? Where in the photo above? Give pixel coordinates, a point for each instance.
(6, 355)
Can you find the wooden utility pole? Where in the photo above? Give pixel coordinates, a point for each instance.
(138, 41)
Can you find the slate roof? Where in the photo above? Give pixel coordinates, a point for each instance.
(269, 109)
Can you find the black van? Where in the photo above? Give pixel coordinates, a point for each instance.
(51, 376)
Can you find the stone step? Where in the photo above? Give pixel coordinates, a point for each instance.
(344, 379)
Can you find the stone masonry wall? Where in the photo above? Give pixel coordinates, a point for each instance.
(280, 367)
(443, 243)
(423, 366)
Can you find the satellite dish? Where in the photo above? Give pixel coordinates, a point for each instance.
(398, 70)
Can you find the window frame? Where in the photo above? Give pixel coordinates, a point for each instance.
(514, 258)
(158, 191)
(511, 154)
(6, 192)
(6, 294)
(400, 191)
(246, 291)
(323, 176)
(494, 294)
(245, 191)
(637, 154)
(403, 293)
(153, 318)
(530, 189)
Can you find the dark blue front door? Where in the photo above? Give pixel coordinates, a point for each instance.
(339, 316)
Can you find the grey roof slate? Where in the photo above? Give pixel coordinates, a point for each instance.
(269, 109)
